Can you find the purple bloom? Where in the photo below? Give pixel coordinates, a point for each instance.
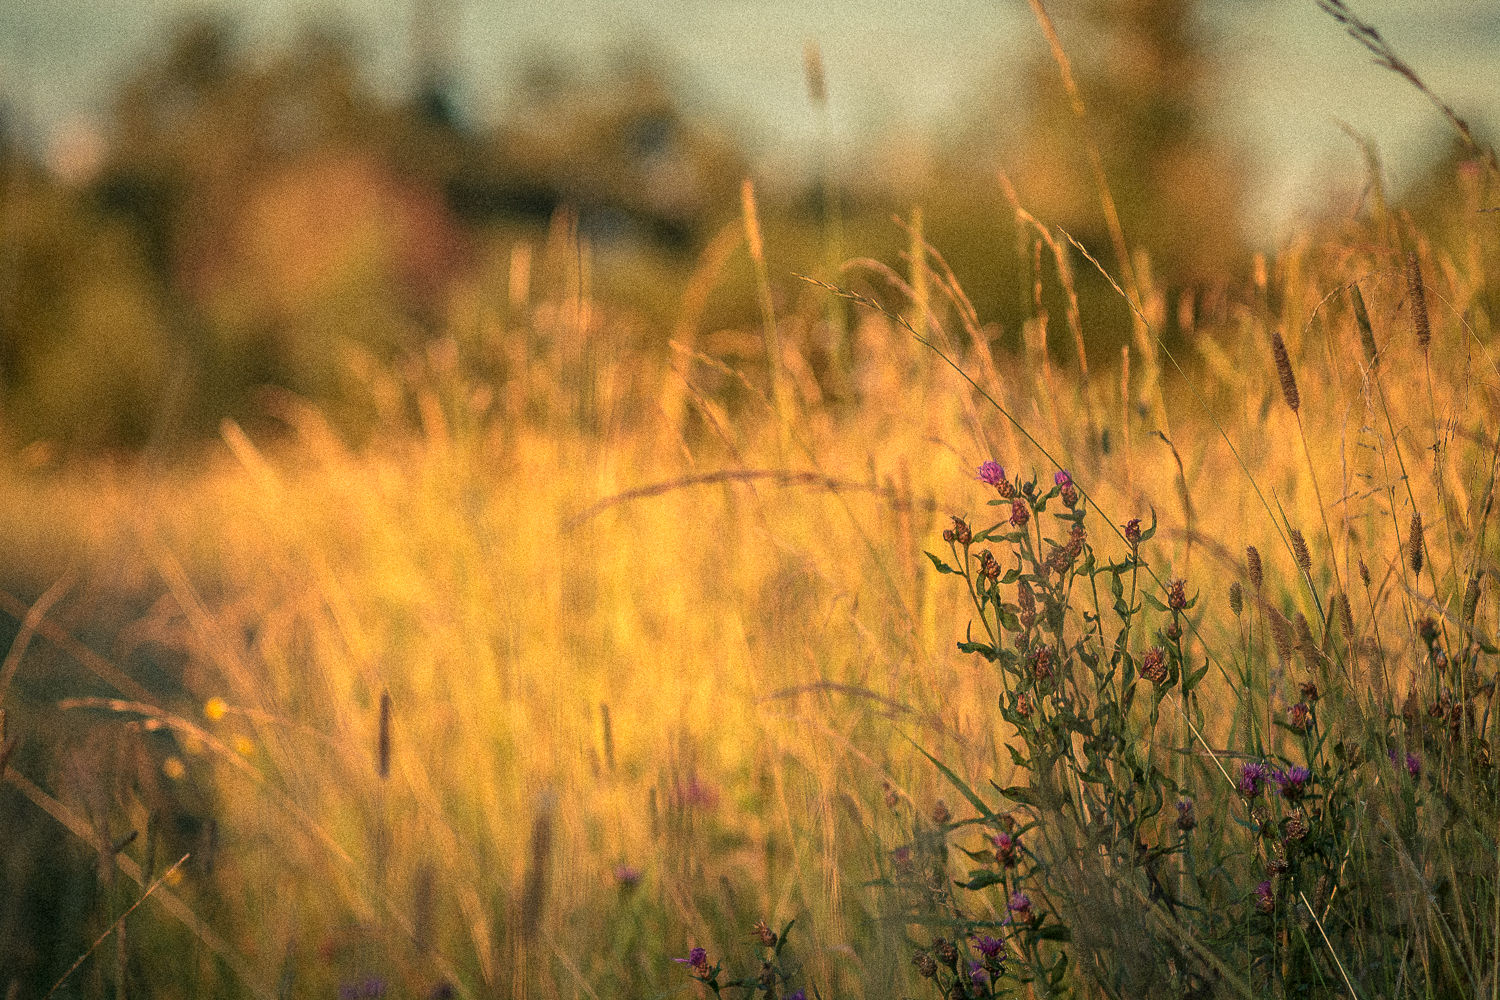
(977, 973)
(1265, 902)
(697, 959)
(1413, 763)
(797, 995)
(1292, 784)
(991, 474)
(988, 947)
(1252, 776)
(1061, 478)
(628, 876)
(1020, 905)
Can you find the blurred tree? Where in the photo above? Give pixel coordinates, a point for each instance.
(1144, 69)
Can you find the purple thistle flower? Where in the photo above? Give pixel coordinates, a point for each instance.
(1292, 784)
(1061, 478)
(1252, 776)
(1020, 905)
(991, 474)
(988, 947)
(977, 973)
(629, 877)
(797, 995)
(1413, 765)
(697, 960)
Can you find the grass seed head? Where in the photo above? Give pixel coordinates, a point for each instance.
(1300, 550)
(1236, 599)
(1281, 634)
(1284, 372)
(1414, 544)
(1253, 567)
(1418, 300)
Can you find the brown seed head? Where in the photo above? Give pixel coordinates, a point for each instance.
(1345, 617)
(961, 533)
(1364, 573)
(1236, 598)
(1414, 544)
(1281, 634)
(1253, 567)
(764, 934)
(1284, 372)
(940, 813)
(1471, 602)
(926, 967)
(1154, 666)
(1299, 549)
(383, 749)
(1306, 644)
(1418, 300)
(946, 952)
(1296, 826)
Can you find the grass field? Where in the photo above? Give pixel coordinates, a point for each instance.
(602, 648)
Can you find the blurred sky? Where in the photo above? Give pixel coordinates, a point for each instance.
(898, 71)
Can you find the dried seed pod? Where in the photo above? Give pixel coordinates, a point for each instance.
(1418, 300)
(1284, 372)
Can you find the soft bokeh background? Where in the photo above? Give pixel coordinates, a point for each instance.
(325, 328)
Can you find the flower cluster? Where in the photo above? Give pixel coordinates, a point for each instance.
(1292, 783)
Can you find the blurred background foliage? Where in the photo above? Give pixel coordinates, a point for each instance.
(244, 222)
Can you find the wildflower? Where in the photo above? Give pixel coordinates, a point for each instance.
(697, 960)
(1299, 716)
(901, 858)
(892, 797)
(1007, 849)
(797, 995)
(989, 566)
(1154, 666)
(960, 533)
(1019, 904)
(768, 978)
(214, 708)
(1133, 531)
(1041, 663)
(1265, 902)
(1024, 705)
(977, 973)
(1292, 783)
(991, 474)
(1019, 514)
(989, 947)
(1185, 818)
(940, 813)
(1177, 595)
(1027, 601)
(1252, 776)
(1309, 691)
(926, 967)
(628, 876)
(1296, 826)
(1412, 763)
(946, 952)
(764, 934)
(1069, 491)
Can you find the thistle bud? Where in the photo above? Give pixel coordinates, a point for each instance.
(926, 967)
(1154, 666)
(764, 934)
(946, 952)
(960, 532)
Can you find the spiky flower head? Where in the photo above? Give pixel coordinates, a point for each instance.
(1299, 716)
(1309, 691)
(1418, 299)
(1019, 905)
(1301, 551)
(1186, 820)
(988, 946)
(697, 960)
(1236, 599)
(960, 533)
(1252, 776)
(926, 967)
(946, 952)
(1024, 705)
(991, 474)
(1069, 490)
(1133, 531)
(1154, 666)
(1292, 783)
(1007, 849)
(1041, 663)
(1027, 602)
(1296, 826)
(764, 934)
(978, 974)
(1253, 567)
(1019, 513)
(940, 813)
(1177, 595)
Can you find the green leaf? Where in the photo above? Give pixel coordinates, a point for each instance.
(1054, 932)
(1151, 600)
(981, 880)
(1021, 794)
(1018, 758)
(1117, 588)
(942, 567)
(956, 781)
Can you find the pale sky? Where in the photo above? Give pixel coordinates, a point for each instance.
(897, 70)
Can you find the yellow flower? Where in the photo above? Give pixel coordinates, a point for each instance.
(173, 768)
(243, 746)
(215, 708)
